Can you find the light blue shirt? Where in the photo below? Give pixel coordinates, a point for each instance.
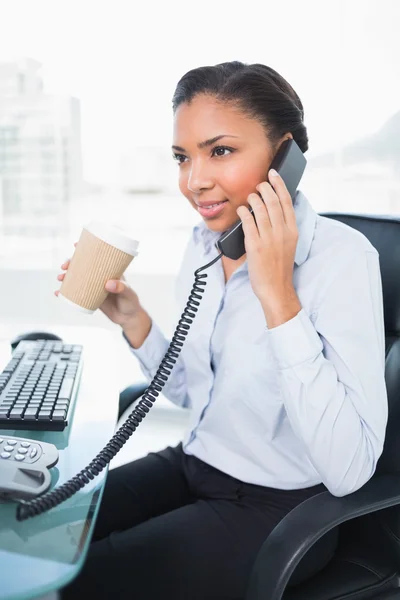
(302, 403)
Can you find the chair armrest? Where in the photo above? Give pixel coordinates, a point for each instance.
(129, 396)
(306, 524)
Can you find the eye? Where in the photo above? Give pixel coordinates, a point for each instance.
(179, 158)
(217, 150)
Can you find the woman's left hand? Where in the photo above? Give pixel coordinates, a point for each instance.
(270, 239)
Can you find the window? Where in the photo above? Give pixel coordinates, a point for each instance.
(89, 133)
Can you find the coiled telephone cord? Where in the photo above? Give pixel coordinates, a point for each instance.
(36, 506)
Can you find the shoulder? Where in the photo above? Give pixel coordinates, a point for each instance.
(338, 240)
(340, 256)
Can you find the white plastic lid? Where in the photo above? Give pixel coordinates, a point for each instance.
(114, 236)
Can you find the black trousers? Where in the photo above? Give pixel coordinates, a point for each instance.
(171, 527)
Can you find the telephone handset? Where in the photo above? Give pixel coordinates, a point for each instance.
(290, 163)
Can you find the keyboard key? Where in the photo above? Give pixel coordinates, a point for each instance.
(66, 389)
(31, 413)
(16, 413)
(47, 405)
(59, 415)
(44, 415)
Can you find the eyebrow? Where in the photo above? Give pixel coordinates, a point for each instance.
(210, 142)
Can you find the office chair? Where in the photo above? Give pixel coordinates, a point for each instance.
(366, 563)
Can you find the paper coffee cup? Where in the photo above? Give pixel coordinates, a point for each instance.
(103, 252)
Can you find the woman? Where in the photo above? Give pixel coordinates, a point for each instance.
(283, 367)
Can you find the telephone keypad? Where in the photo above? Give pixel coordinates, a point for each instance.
(22, 464)
(18, 450)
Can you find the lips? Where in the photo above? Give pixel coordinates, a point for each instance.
(211, 210)
(209, 204)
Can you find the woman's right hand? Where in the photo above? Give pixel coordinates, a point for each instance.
(121, 305)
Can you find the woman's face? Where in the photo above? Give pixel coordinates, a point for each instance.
(223, 171)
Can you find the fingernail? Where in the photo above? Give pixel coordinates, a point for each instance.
(273, 173)
(111, 286)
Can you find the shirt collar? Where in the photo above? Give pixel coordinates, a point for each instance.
(306, 219)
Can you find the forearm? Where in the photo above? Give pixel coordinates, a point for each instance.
(323, 411)
(149, 345)
(280, 307)
(138, 329)
(342, 448)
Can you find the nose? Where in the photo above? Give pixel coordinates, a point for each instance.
(200, 178)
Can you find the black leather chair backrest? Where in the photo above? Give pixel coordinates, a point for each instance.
(383, 231)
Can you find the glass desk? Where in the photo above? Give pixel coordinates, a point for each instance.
(45, 552)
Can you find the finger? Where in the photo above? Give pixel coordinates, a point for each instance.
(65, 264)
(285, 199)
(115, 287)
(248, 223)
(61, 277)
(75, 244)
(260, 213)
(56, 292)
(272, 204)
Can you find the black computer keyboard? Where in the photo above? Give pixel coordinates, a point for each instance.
(39, 385)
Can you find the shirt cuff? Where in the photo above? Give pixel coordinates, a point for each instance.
(295, 341)
(153, 349)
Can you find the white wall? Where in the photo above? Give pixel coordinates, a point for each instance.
(28, 296)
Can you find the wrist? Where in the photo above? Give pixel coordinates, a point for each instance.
(132, 321)
(280, 307)
(137, 328)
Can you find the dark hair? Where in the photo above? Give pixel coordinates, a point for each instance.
(259, 91)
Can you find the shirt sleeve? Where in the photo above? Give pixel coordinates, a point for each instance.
(332, 374)
(151, 353)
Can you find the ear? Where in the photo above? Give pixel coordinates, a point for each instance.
(287, 136)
